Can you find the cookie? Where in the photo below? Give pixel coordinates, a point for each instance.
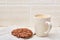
(22, 33)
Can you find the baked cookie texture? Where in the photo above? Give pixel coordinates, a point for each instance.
(22, 33)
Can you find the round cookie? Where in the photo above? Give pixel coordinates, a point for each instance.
(22, 33)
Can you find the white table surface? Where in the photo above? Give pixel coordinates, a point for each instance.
(53, 35)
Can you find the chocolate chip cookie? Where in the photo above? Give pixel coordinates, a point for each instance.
(22, 33)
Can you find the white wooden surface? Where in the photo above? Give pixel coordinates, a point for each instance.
(5, 34)
(22, 10)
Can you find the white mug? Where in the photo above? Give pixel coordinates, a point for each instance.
(42, 24)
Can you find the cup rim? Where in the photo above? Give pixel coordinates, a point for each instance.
(48, 16)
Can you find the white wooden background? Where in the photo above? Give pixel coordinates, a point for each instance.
(20, 11)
